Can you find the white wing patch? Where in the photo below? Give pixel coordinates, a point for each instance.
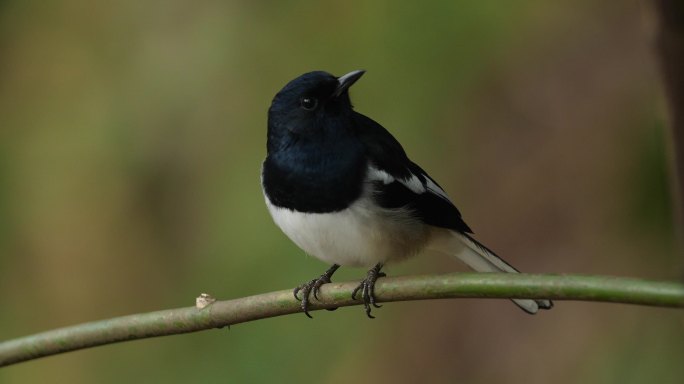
(413, 183)
(434, 188)
(375, 174)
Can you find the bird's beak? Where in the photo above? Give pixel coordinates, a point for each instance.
(346, 81)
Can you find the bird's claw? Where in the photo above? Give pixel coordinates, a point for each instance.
(367, 288)
(313, 287)
(308, 288)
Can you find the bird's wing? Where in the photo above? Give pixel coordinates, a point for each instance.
(398, 182)
(401, 183)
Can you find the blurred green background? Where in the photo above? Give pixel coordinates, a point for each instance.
(131, 139)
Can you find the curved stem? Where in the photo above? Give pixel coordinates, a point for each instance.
(229, 312)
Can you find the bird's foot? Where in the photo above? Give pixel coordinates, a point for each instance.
(313, 286)
(367, 288)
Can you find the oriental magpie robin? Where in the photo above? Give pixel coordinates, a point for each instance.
(342, 188)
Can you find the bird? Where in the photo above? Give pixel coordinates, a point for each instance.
(343, 189)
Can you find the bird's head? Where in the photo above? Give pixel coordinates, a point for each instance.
(314, 102)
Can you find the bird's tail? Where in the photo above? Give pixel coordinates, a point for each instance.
(482, 259)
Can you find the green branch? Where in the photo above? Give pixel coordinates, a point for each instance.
(229, 312)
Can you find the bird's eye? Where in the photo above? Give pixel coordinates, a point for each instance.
(309, 103)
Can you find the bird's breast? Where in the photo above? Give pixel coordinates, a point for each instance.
(314, 181)
(360, 235)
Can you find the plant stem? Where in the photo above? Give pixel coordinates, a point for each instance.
(229, 312)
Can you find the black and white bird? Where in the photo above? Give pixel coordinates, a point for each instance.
(342, 188)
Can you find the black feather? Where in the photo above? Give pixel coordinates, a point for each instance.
(386, 154)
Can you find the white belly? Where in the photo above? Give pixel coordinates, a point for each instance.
(361, 235)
